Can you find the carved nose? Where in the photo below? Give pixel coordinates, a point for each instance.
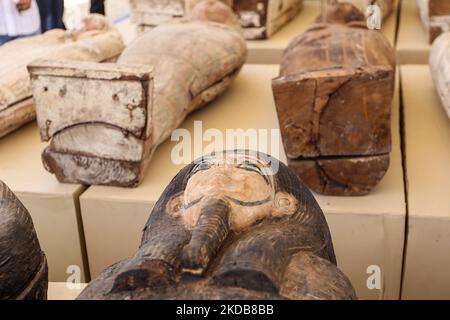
(207, 237)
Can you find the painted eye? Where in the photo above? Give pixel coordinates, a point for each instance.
(201, 166)
(246, 165)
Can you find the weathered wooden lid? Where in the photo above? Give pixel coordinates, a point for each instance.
(90, 70)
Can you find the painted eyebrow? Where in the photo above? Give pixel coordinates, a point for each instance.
(249, 204)
(258, 171)
(192, 203)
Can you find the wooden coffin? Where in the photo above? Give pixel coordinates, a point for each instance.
(105, 120)
(440, 68)
(258, 19)
(16, 104)
(235, 225)
(435, 15)
(333, 99)
(23, 266)
(151, 13)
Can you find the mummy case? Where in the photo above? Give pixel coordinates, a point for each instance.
(101, 42)
(23, 266)
(259, 19)
(333, 99)
(435, 15)
(440, 68)
(104, 121)
(232, 225)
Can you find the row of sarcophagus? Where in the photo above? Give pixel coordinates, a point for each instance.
(259, 19)
(105, 120)
(231, 225)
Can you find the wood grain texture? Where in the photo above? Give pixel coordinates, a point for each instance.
(15, 87)
(105, 120)
(23, 266)
(286, 253)
(333, 99)
(258, 19)
(435, 15)
(440, 68)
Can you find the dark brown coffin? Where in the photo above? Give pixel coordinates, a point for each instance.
(333, 99)
(23, 266)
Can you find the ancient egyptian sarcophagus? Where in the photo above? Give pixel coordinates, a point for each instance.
(333, 99)
(435, 15)
(440, 68)
(104, 121)
(258, 18)
(231, 225)
(98, 41)
(23, 266)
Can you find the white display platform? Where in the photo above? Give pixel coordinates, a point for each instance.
(64, 291)
(427, 137)
(412, 41)
(270, 51)
(53, 206)
(366, 230)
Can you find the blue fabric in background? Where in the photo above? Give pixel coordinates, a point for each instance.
(51, 12)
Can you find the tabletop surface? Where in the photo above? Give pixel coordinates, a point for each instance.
(427, 145)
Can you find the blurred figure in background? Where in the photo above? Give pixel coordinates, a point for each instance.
(97, 6)
(18, 18)
(51, 12)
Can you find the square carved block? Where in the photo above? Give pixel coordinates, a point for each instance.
(94, 141)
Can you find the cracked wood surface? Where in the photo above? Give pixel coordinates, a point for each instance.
(440, 68)
(333, 99)
(16, 107)
(105, 123)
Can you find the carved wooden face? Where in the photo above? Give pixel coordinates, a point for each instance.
(245, 182)
(228, 226)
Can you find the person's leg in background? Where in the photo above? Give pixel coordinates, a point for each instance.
(97, 6)
(51, 12)
(5, 38)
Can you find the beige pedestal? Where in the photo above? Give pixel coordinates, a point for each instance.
(427, 136)
(54, 207)
(64, 291)
(366, 230)
(412, 41)
(271, 50)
